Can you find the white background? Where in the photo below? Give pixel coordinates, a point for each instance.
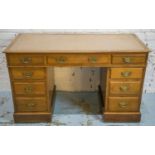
(80, 14)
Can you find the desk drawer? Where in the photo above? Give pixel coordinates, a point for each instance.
(25, 59)
(129, 59)
(36, 88)
(126, 72)
(28, 73)
(123, 104)
(37, 104)
(125, 88)
(66, 59)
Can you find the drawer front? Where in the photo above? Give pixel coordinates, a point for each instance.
(25, 60)
(31, 104)
(37, 88)
(129, 59)
(79, 59)
(126, 72)
(125, 88)
(28, 73)
(123, 104)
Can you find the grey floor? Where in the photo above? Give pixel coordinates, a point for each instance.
(84, 109)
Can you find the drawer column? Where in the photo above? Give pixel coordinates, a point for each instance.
(30, 94)
(123, 94)
(30, 87)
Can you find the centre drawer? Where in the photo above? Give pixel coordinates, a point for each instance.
(25, 104)
(126, 72)
(19, 73)
(78, 59)
(125, 87)
(123, 104)
(35, 88)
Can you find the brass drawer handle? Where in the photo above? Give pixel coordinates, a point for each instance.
(28, 74)
(126, 73)
(92, 59)
(124, 88)
(61, 60)
(26, 60)
(28, 89)
(127, 59)
(31, 105)
(123, 104)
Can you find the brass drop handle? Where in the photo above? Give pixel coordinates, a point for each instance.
(126, 73)
(27, 74)
(31, 104)
(61, 60)
(127, 59)
(123, 104)
(26, 60)
(92, 59)
(124, 88)
(28, 89)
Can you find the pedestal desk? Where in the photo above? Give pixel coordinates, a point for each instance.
(31, 58)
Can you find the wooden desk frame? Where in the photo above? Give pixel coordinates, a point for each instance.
(33, 84)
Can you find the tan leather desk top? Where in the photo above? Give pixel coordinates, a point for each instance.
(74, 43)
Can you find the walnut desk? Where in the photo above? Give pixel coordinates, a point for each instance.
(31, 58)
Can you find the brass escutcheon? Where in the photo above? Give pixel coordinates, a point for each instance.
(31, 104)
(61, 60)
(123, 104)
(27, 74)
(127, 59)
(28, 89)
(126, 73)
(26, 60)
(92, 59)
(124, 88)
